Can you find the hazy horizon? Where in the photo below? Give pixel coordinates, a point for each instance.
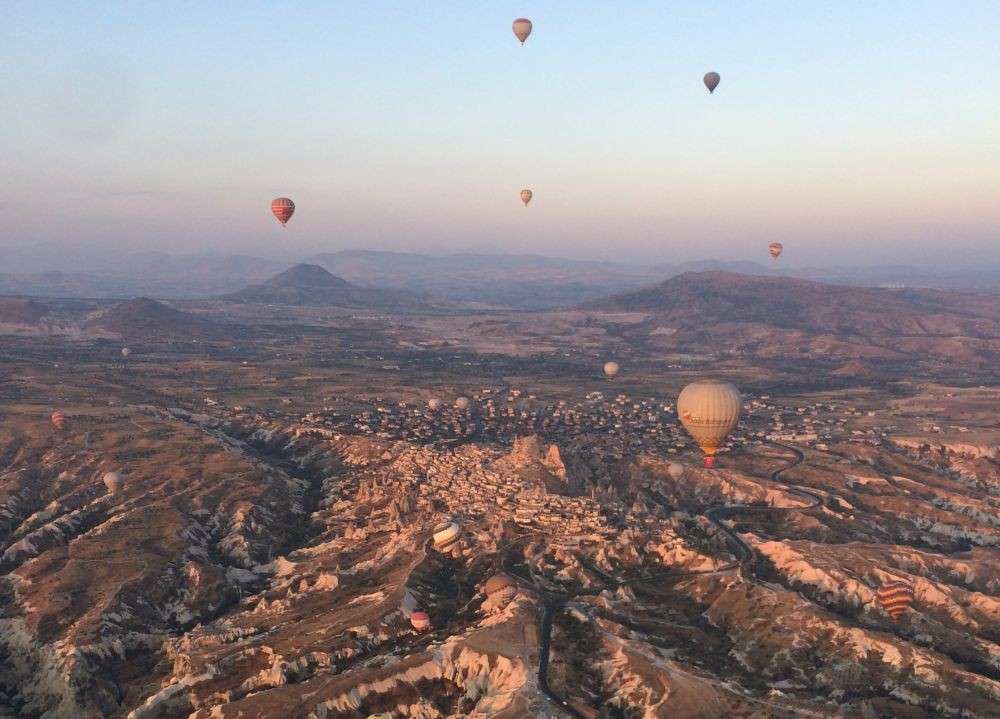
(856, 135)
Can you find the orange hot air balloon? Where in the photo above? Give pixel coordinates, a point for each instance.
(895, 598)
(712, 80)
(775, 249)
(283, 209)
(58, 420)
(526, 196)
(522, 28)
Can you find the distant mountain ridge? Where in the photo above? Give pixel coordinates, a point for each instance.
(782, 316)
(312, 285)
(144, 318)
(522, 281)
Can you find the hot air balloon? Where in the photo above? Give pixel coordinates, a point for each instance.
(895, 598)
(126, 352)
(675, 470)
(283, 209)
(611, 369)
(434, 404)
(58, 420)
(775, 249)
(500, 589)
(522, 28)
(712, 80)
(420, 621)
(114, 481)
(709, 409)
(462, 403)
(526, 196)
(446, 535)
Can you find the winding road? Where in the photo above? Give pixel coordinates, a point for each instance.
(746, 562)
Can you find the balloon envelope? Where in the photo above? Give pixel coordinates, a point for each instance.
(675, 470)
(420, 621)
(462, 403)
(114, 481)
(58, 419)
(283, 209)
(895, 598)
(709, 409)
(611, 369)
(526, 196)
(712, 80)
(434, 404)
(775, 249)
(126, 351)
(522, 28)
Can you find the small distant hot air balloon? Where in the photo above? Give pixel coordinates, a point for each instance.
(420, 621)
(58, 420)
(126, 352)
(611, 369)
(434, 404)
(709, 409)
(283, 209)
(895, 598)
(775, 249)
(114, 481)
(462, 403)
(712, 80)
(500, 589)
(522, 28)
(446, 535)
(526, 196)
(675, 470)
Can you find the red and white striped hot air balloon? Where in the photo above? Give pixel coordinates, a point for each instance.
(775, 249)
(58, 420)
(283, 209)
(895, 598)
(522, 28)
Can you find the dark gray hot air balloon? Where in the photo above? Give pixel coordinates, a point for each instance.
(712, 80)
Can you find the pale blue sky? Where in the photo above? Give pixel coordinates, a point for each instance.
(854, 132)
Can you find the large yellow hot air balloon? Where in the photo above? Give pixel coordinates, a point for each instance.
(709, 409)
(526, 195)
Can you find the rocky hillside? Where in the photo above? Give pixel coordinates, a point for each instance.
(775, 316)
(275, 568)
(144, 318)
(17, 311)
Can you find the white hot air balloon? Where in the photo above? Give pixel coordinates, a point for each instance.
(446, 535)
(611, 369)
(114, 481)
(675, 470)
(434, 404)
(462, 403)
(709, 409)
(522, 28)
(126, 352)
